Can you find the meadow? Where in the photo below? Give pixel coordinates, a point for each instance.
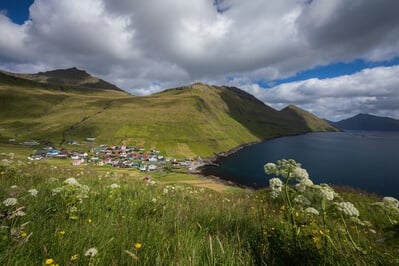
(59, 215)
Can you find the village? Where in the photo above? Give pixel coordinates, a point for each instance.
(119, 156)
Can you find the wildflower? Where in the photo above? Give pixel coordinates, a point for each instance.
(20, 213)
(91, 252)
(300, 174)
(316, 241)
(391, 201)
(154, 200)
(10, 202)
(49, 261)
(303, 184)
(62, 232)
(348, 209)
(137, 245)
(56, 191)
(372, 231)
(325, 191)
(275, 184)
(23, 234)
(270, 168)
(74, 257)
(14, 187)
(114, 185)
(71, 181)
(165, 191)
(33, 192)
(89, 221)
(312, 210)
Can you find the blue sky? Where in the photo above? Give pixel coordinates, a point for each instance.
(327, 57)
(17, 10)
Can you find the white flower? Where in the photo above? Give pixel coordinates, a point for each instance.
(300, 174)
(325, 191)
(114, 185)
(10, 202)
(154, 200)
(14, 187)
(372, 231)
(20, 213)
(348, 209)
(71, 181)
(312, 210)
(274, 194)
(275, 184)
(270, 168)
(302, 200)
(301, 186)
(391, 201)
(91, 252)
(33, 192)
(165, 191)
(56, 191)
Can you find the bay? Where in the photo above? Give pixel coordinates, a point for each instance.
(368, 160)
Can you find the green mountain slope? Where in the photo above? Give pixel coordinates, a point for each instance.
(187, 121)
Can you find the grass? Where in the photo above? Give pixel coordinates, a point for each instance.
(185, 122)
(170, 223)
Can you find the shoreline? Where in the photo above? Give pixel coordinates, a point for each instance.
(218, 157)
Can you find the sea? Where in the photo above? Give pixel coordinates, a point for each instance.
(366, 160)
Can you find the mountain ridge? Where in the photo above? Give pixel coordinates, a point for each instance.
(365, 121)
(66, 78)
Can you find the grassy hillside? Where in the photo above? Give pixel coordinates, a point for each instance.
(78, 216)
(188, 121)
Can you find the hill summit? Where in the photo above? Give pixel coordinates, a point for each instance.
(67, 78)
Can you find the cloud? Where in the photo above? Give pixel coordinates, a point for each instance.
(136, 44)
(372, 90)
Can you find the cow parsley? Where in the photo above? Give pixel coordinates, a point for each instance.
(10, 202)
(348, 208)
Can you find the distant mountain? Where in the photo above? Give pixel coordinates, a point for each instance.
(368, 122)
(193, 120)
(64, 79)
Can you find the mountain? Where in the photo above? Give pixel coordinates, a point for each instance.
(368, 122)
(71, 78)
(198, 119)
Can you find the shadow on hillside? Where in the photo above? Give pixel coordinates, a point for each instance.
(261, 120)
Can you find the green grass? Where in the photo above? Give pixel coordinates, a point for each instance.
(184, 122)
(174, 224)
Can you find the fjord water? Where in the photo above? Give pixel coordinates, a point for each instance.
(368, 160)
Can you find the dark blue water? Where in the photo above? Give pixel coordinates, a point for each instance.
(361, 159)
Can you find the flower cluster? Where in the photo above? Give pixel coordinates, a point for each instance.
(348, 208)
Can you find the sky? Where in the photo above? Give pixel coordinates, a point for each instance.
(335, 58)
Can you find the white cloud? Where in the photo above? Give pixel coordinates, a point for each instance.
(368, 91)
(136, 44)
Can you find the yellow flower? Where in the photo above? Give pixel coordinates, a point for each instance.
(316, 241)
(62, 232)
(296, 214)
(74, 257)
(137, 246)
(24, 234)
(282, 207)
(49, 261)
(89, 221)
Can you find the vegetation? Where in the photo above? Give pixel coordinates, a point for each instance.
(182, 122)
(53, 215)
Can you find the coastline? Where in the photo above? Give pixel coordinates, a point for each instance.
(218, 157)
